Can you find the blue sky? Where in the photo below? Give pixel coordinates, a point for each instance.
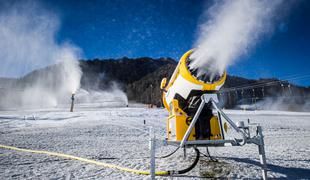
(168, 28)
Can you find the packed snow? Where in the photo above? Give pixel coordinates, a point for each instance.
(118, 135)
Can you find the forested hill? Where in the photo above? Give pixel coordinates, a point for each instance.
(140, 79)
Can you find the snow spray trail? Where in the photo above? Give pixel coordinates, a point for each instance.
(232, 27)
(28, 34)
(100, 90)
(103, 97)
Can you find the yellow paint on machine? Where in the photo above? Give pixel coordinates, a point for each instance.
(180, 119)
(215, 129)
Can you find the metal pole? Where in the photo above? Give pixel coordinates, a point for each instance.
(236, 97)
(72, 103)
(289, 87)
(282, 89)
(242, 97)
(253, 96)
(261, 150)
(151, 95)
(231, 122)
(152, 151)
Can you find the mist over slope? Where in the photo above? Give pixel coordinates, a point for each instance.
(28, 31)
(140, 79)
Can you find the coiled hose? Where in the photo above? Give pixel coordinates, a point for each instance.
(190, 167)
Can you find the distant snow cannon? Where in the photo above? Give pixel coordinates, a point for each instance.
(182, 96)
(72, 102)
(195, 119)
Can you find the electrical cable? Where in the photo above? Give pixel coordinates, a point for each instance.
(190, 167)
(209, 156)
(146, 157)
(165, 156)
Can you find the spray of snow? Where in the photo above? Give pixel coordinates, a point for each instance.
(28, 34)
(101, 91)
(233, 26)
(113, 96)
(286, 102)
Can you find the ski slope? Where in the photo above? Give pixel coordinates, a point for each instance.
(117, 135)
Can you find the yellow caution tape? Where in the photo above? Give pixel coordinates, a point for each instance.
(67, 156)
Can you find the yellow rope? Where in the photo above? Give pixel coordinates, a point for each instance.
(67, 156)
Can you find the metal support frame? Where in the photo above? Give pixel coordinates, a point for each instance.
(191, 126)
(258, 139)
(261, 150)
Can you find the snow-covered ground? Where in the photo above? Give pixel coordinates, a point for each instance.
(117, 135)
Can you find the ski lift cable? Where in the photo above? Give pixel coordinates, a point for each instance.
(270, 83)
(253, 84)
(264, 83)
(274, 83)
(284, 77)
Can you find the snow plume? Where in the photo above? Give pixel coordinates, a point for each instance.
(288, 101)
(28, 34)
(113, 96)
(232, 27)
(280, 104)
(101, 90)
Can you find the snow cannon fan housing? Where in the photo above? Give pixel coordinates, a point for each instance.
(182, 96)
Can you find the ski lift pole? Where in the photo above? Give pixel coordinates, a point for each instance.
(289, 87)
(282, 85)
(151, 98)
(242, 99)
(263, 93)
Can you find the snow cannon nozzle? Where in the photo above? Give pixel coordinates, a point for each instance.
(208, 73)
(187, 82)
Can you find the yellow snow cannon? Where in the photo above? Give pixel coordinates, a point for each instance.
(182, 96)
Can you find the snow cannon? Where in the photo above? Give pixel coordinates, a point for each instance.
(182, 97)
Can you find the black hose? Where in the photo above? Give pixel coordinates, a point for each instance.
(209, 156)
(160, 157)
(190, 167)
(165, 156)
